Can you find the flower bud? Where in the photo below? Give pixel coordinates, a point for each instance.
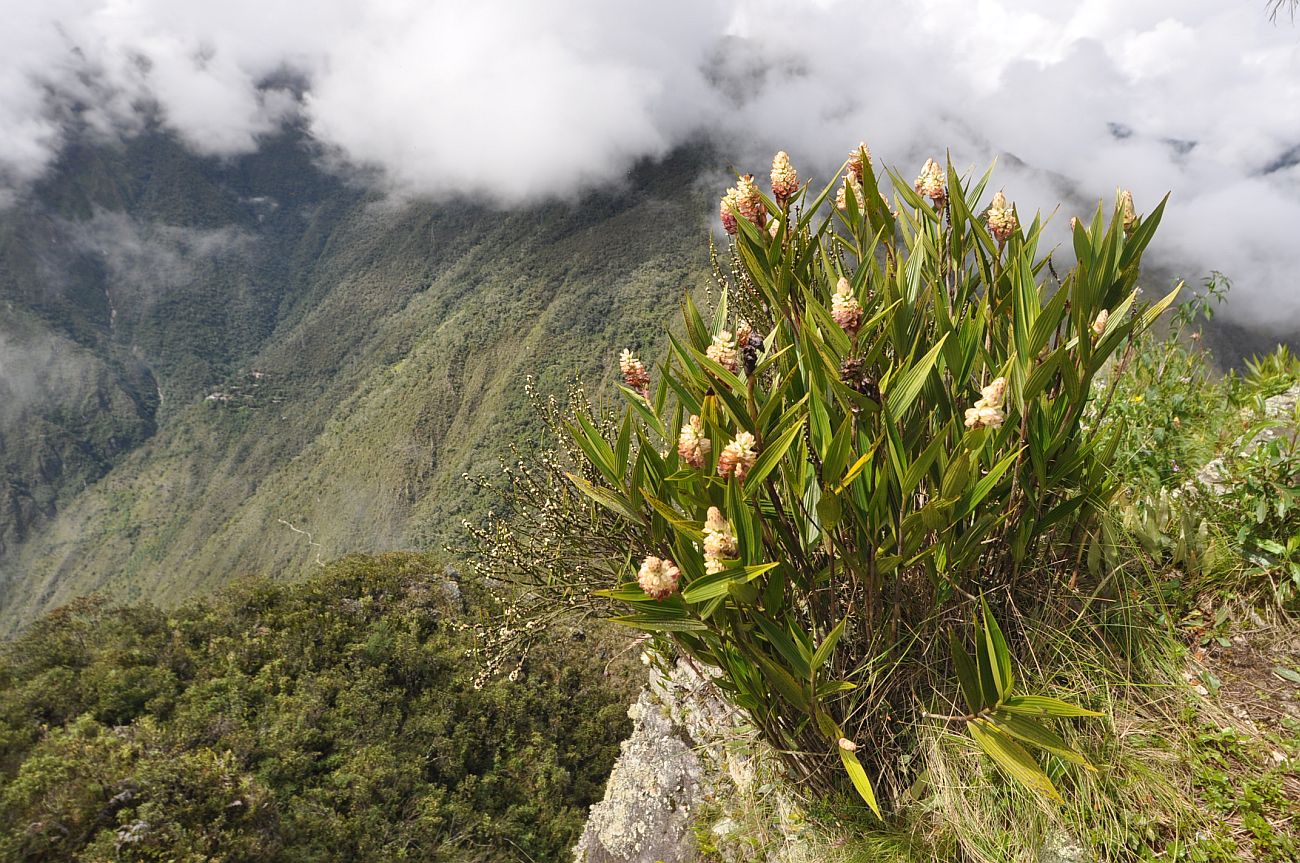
(842, 196)
(987, 412)
(1099, 324)
(857, 157)
(726, 209)
(1001, 218)
(931, 183)
(634, 373)
(692, 445)
(785, 180)
(738, 456)
(719, 538)
(845, 308)
(723, 352)
(658, 578)
(749, 201)
(994, 393)
(1127, 211)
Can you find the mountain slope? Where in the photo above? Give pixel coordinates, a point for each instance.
(325, 361)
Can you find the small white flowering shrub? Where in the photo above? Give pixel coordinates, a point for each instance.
(874, 440)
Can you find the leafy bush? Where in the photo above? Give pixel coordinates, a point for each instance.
(882, 425)
(337, 719)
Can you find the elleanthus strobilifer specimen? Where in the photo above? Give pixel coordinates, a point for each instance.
(875, 441)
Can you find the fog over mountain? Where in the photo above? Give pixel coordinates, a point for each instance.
(515, 103)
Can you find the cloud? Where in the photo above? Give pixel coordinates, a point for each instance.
(516, 102)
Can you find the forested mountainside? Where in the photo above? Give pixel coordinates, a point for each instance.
(333, 719)
(222, 367)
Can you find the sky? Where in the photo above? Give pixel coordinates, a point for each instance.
(517, 102)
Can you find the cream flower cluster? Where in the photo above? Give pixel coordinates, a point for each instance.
(842, 196)
(634, 373)
(719, 541)
(857, 156)
(738, 456)
(658, 578)
(726, 209)
(1002, 218)
(749, 201)
(692, 444)
(845, 308)
(723, 352)
(987, 412)
(930, 183)
(785, 179)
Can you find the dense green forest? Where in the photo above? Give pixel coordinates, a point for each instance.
(335, 719)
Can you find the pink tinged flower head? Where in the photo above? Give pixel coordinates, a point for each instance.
(658, 578)
(785, 180)
(1099, 323)
(1002, 218)
(931, 183)
(634, 372)
(738, 456)
(749, 201)
(845, 308)
(987, 412)
(1127, 210)
(857, 157)
(692, 445)
(723, 352)
(726, 209)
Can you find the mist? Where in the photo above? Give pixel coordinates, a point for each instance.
(515, 103)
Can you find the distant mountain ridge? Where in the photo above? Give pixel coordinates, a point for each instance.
(212, 368)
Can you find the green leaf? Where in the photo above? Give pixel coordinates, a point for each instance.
(611, 500)
(1288, 674)
(853, 767)
(1012, 757)
(966, 674)
(1031, 732)
(1158, 308)
(827, 647)
(1042, 705)
(716, 584)
(654, 623)
(789, 646)
(769, 458)
(999, 655)
(904, 390)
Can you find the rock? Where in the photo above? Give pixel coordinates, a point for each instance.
(1214, 477)
(1061, 847)
(449, 587)
(646, 814)
(688, 747)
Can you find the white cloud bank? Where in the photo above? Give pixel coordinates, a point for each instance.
(517, 101)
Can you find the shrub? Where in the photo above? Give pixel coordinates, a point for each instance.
(885, 425)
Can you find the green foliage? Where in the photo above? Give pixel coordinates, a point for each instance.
(336, 719)
(1269, 375)
(1173, 413)
(883, 493)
